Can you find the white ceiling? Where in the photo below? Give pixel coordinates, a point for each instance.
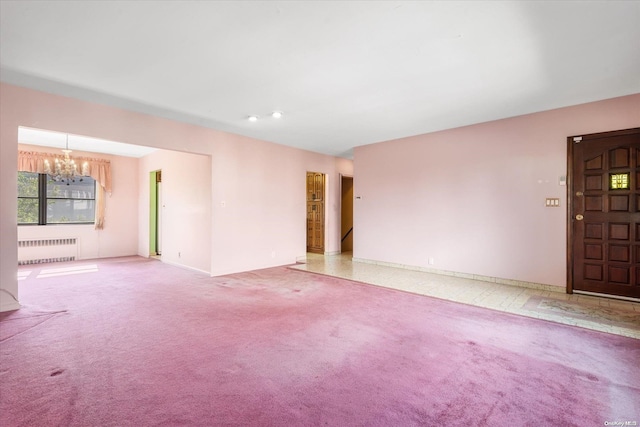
(344, 73)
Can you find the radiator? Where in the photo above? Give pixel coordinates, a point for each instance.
(37, 251)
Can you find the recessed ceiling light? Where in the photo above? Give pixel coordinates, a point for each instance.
(276, 114)
(253, 118)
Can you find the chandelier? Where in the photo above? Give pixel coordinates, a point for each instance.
(65, 170)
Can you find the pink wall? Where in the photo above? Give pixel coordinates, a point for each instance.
(472, 198)
(118, 238)
(263, 189)
(8, 208)
(186, 197)
(263, 222)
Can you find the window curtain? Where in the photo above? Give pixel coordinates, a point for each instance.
(99, 169)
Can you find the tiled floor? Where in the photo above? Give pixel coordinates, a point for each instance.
(601, 314)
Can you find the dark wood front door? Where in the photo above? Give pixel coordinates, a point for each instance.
(604, 213)
(315, 212)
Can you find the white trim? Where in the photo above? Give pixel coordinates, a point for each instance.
(498, 280)
(9, 307)
(13, 303)
(340, 178)
(186, 267)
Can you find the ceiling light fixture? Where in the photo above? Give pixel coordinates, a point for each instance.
(65, 170)
(276, 114)
(253, 118)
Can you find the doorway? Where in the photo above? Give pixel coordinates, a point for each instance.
(604, 214)
(346, 213)
(315, 212)
(155, 214)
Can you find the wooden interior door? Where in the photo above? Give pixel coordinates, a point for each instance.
(315, 212)
(604, 213)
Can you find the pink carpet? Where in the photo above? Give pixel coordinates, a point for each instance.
(142, 343)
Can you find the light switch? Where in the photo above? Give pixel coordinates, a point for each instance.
(552, 202)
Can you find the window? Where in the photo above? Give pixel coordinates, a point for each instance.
(619, 181)
(41, 200)
(28, 203)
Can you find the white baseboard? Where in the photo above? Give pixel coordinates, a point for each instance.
(498, 280)
(9, 306)
(186, 267)
(332, 253)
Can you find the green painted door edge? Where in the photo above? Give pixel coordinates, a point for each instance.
(153, 213)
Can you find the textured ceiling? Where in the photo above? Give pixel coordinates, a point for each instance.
(344, 73)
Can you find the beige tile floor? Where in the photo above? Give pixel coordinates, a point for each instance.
(597, 313)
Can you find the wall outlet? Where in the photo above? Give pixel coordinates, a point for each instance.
(179, 254)
(431, 261)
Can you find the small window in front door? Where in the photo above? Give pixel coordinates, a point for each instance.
(619, 181)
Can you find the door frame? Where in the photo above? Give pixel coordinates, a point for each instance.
(155, 177)
(571, 141)
(342, 176)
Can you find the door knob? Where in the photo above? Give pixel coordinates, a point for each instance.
(579, 217)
